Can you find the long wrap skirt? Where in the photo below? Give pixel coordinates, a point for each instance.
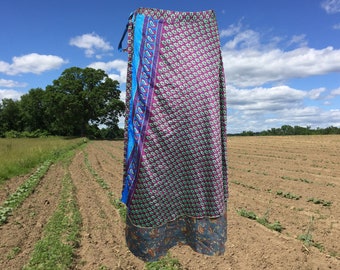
(175, 169)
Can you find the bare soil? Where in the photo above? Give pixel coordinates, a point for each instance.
(259, 167)
(26, 226)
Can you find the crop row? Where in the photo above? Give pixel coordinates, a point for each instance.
(287, 195)
(55, 250)
(166, 263)
(23, 191)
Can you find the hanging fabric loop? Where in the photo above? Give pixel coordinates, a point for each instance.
(120, 45)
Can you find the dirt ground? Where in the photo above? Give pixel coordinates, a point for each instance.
(260, 169)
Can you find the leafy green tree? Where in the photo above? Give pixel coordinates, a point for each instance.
(331, 130)
(33, 110)
(287, 130)
(80, 98)
(10, 118)
(301, 130)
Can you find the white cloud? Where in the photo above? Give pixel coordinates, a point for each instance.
(261, 100)
(300, 40)
(231, 30)
(11, 83)
(116, 69)
(259, 70)
(334, 93)
(4, 67)
(253, 67)
(316, 93)
(92, 43)
(31, 63)
(331, 6)
(304, 116)
(260, 108)
(249, 62)
(10, 94)
(311, 116)
(242, 40)
(336, 26)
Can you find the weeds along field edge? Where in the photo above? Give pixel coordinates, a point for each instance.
(44, 152)
(19, 156)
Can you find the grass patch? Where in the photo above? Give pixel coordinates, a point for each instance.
(330, 185)
(166, 263)
(61, 235)
(320, 201)
(276, 226)
(244, 185)
(297, 179)
(122, 210)
(13, 252)
(288, 195)
(20, 155)
(307, 237)
(247, 214)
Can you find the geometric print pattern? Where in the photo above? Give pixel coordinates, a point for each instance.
(175, 178)
(182, 169)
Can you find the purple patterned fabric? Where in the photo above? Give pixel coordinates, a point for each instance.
(175, 171)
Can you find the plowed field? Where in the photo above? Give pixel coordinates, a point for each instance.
(291, 180)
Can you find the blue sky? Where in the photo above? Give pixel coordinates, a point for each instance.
(281, 58)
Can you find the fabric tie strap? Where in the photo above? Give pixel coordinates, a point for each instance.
(120, 45)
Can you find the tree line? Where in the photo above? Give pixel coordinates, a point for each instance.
(287, 130)
(85, 102)
(81, 102)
